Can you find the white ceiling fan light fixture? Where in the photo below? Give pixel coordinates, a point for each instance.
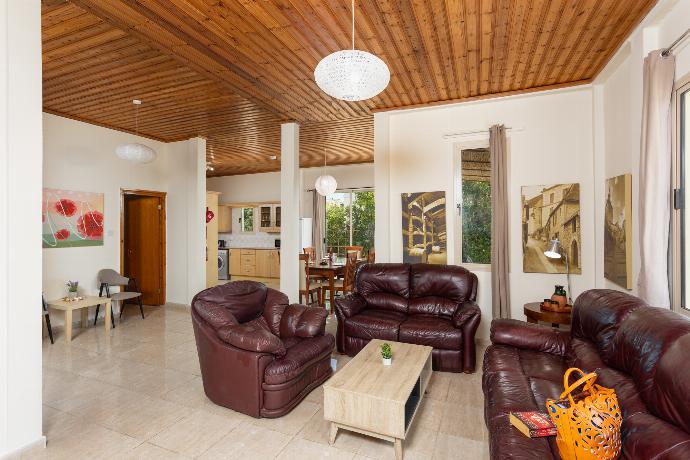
(352, 75)
(133, 151)
(325, 184)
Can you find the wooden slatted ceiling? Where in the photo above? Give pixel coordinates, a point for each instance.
(232, 70)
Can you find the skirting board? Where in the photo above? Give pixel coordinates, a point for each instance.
(15, 454)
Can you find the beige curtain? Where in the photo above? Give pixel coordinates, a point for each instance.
(655, 178)
(500, 260)
(319, 223)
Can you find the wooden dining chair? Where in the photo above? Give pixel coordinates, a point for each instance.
(311, 252)
(307, 285)
(371, 256)
(347, 283)
(358, 249)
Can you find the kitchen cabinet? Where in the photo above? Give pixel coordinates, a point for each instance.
(235, 262)
(224, 219)
(261, 263)
(274, 263)
(269, 218)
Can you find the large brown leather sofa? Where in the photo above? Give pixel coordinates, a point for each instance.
(258, 354)
(640, 351)
(423, 304)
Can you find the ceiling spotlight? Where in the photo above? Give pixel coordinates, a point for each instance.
(273, 157)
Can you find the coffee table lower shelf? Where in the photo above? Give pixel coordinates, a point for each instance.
(369, 398)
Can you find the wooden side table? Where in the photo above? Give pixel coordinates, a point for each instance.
(534, 314)
(83, 305)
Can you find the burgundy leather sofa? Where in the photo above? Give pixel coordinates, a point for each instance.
(422, 304)
(640, 351)
(258, 354)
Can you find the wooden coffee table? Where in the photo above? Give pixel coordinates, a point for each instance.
(376, 400)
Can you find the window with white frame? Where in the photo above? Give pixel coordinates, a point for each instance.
(473, 197)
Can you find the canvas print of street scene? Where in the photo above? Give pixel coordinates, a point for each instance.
(550, 212)
(618, 231)
(424, 227)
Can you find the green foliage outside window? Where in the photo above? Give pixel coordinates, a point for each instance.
(476, 222)
(247, 219)
(338, 221)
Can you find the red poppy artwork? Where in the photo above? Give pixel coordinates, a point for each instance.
(72, 219)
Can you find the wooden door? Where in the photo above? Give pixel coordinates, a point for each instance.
(144, 245)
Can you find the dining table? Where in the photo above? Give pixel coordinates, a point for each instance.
(329, 271)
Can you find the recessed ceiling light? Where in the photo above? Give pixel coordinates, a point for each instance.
(273, 157)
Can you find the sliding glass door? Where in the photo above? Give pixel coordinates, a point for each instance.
(350, 220)
(681, 241)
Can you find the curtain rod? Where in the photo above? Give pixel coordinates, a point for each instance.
(668, 50)
(351, 189)
(479, 131)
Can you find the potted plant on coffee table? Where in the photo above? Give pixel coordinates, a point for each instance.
(72, 288)
(386, 354)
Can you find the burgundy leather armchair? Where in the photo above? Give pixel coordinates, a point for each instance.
(638, 350)
(258, 354)
(422, 304)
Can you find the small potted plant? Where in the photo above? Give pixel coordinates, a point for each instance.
(72, 288)
(386, 354)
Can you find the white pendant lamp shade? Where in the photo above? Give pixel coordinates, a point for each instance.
(326, 185)
(133, 151)
(136, 153)
(352, 75)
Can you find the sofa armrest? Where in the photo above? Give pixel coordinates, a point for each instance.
(526, 336)
(302, 321)
(467, 311)
(251, 337)
(467, 318)
(349, 305)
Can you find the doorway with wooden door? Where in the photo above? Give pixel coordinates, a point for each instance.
(142, 243)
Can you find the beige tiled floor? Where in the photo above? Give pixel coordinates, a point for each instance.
(137, 394)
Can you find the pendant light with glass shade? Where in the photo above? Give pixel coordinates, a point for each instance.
(133, 151)
(325, 184)
(352, 75)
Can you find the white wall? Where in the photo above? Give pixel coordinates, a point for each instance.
(551, 143)
(250, 188)
(618, 113)
(80, 156)
(20, 225)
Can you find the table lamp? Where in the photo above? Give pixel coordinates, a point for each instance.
(556, 252)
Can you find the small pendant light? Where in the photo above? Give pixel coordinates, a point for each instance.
(325, 184)
(133, 151)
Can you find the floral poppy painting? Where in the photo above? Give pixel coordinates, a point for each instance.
(72, 219)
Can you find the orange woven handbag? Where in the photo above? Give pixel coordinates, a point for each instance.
(588, 422)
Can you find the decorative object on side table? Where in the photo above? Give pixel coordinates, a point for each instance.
(555, 251)
(72, 288)
(386, 354)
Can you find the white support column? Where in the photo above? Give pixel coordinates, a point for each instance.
(196, 219)
(21, 182)
(382, 186)
(289, 202)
